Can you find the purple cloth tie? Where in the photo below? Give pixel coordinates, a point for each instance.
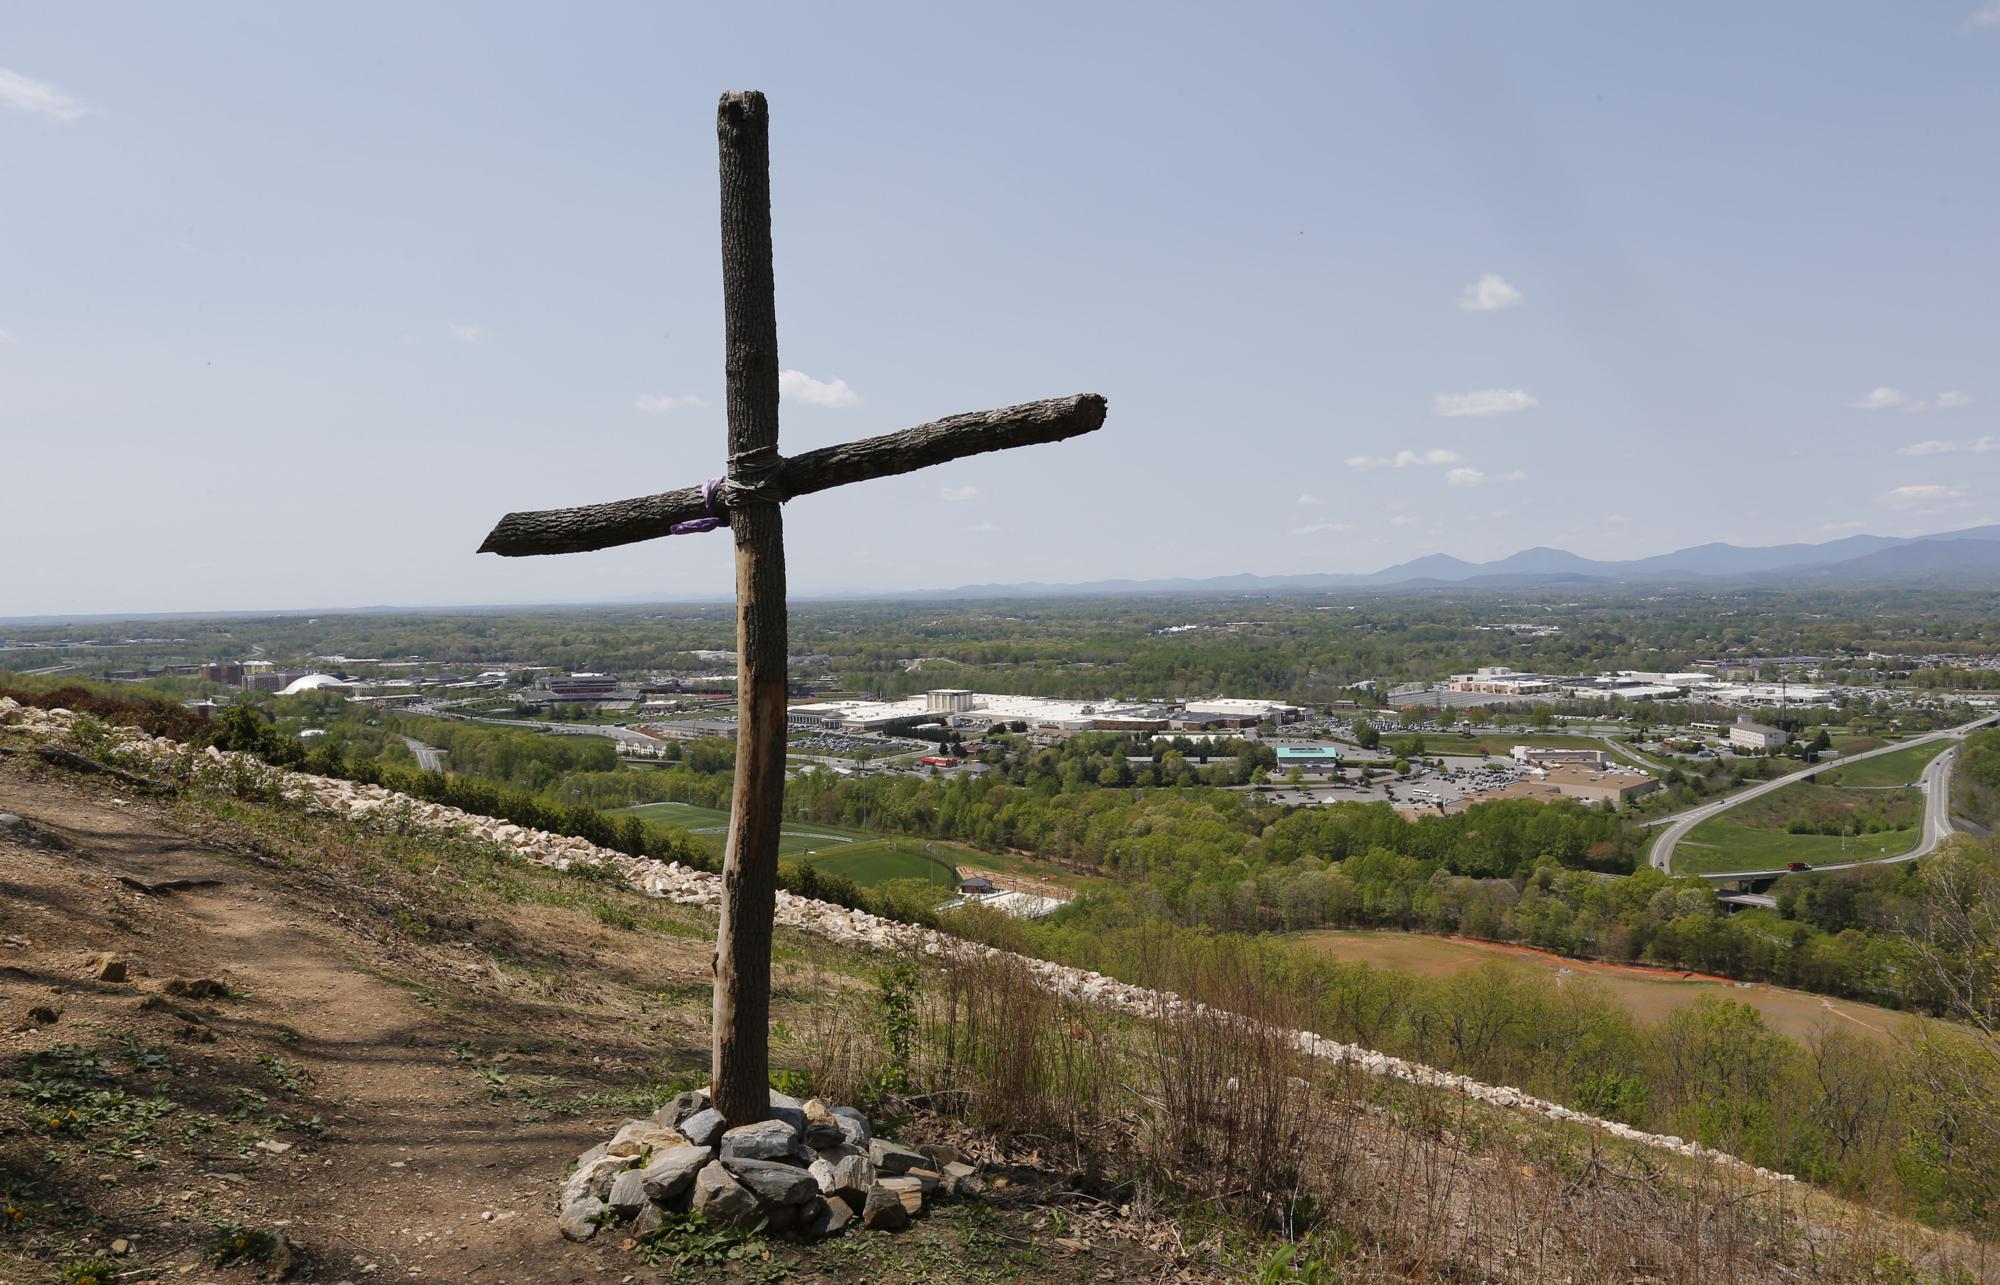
(708, 523)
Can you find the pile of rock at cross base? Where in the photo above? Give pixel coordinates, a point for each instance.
(810, 1168)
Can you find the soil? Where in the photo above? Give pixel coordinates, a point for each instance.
(358, 1087)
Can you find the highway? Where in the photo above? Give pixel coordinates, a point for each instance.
(429, 757)
(1935, 785)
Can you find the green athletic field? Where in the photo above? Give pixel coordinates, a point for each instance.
(799, 837)
(884, 859)
(865, 858)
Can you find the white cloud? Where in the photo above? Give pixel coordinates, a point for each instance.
(1921, 495)
(660, 403)
(1490, 293)
(38, 98)
(1938, 446)
(1884, 398)
(797, 386)
(7, 337)
(1401, 519)
(1487, 401)
(984, 528)
(1319, 528)
(1436, 456)
(466, 332)
(958, 494)
(1986, 15)
(1897, 399)
(1309, 499)
(1473, 477)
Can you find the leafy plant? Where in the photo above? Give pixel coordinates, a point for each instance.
(689, 1240)
(896, 1004)
(235, 1243)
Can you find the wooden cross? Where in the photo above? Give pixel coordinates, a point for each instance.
(747, 499)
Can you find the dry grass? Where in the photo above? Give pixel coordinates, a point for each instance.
(1221, 1125)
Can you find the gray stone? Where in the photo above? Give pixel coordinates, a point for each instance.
(785, 1101)
(672, 1172)
(580, 1218)
(628, 1193)
(765, 1140)
(593, 1179)
(637, 1137)
(775, 1184)
(822, 1126)
(962, 1179)
(703, 1127)
(893, 1159)
(721, 1199)
(852, 1176)
(941, 1154)
(908, 1190)
(883, 1210)
(928, 1180)
(825, 1218)
(649, 1221)
(680, 1108)
(593, 1155)
(854, 1126)
(791, 1116)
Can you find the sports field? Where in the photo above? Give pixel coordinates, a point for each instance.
(799, 837)
(865, 858)
(1649, 994)
(870, 863)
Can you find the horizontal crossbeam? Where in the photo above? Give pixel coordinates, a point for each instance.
(603, 526)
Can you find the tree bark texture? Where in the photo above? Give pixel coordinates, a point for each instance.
(741, 1050)
(604, 526)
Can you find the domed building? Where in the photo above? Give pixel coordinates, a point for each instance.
(314, 682)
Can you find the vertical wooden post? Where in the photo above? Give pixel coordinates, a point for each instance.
(741, 1050)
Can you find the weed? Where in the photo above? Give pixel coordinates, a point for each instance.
(688, 1240)
(235, 1243)
(88, 1271)
(286, 1074)
(896, 1004)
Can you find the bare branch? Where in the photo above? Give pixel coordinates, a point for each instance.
(602, 526)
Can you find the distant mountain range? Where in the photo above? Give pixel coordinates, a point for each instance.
(1968, 559)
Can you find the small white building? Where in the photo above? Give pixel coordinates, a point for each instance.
(1747, 735)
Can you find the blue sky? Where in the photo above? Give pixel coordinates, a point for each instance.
(294, 303)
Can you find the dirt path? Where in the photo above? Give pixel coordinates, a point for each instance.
(415, 1175)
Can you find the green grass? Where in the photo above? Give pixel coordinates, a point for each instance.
(1756, 835)
(879, 861)
(1716, 847)
(1900, 767)
(799, 837)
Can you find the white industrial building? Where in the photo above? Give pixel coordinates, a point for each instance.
(961, 707)
(1747, 735)
(1260, 710)
(1499, 680)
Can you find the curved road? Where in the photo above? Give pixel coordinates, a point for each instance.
(1934, 784)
